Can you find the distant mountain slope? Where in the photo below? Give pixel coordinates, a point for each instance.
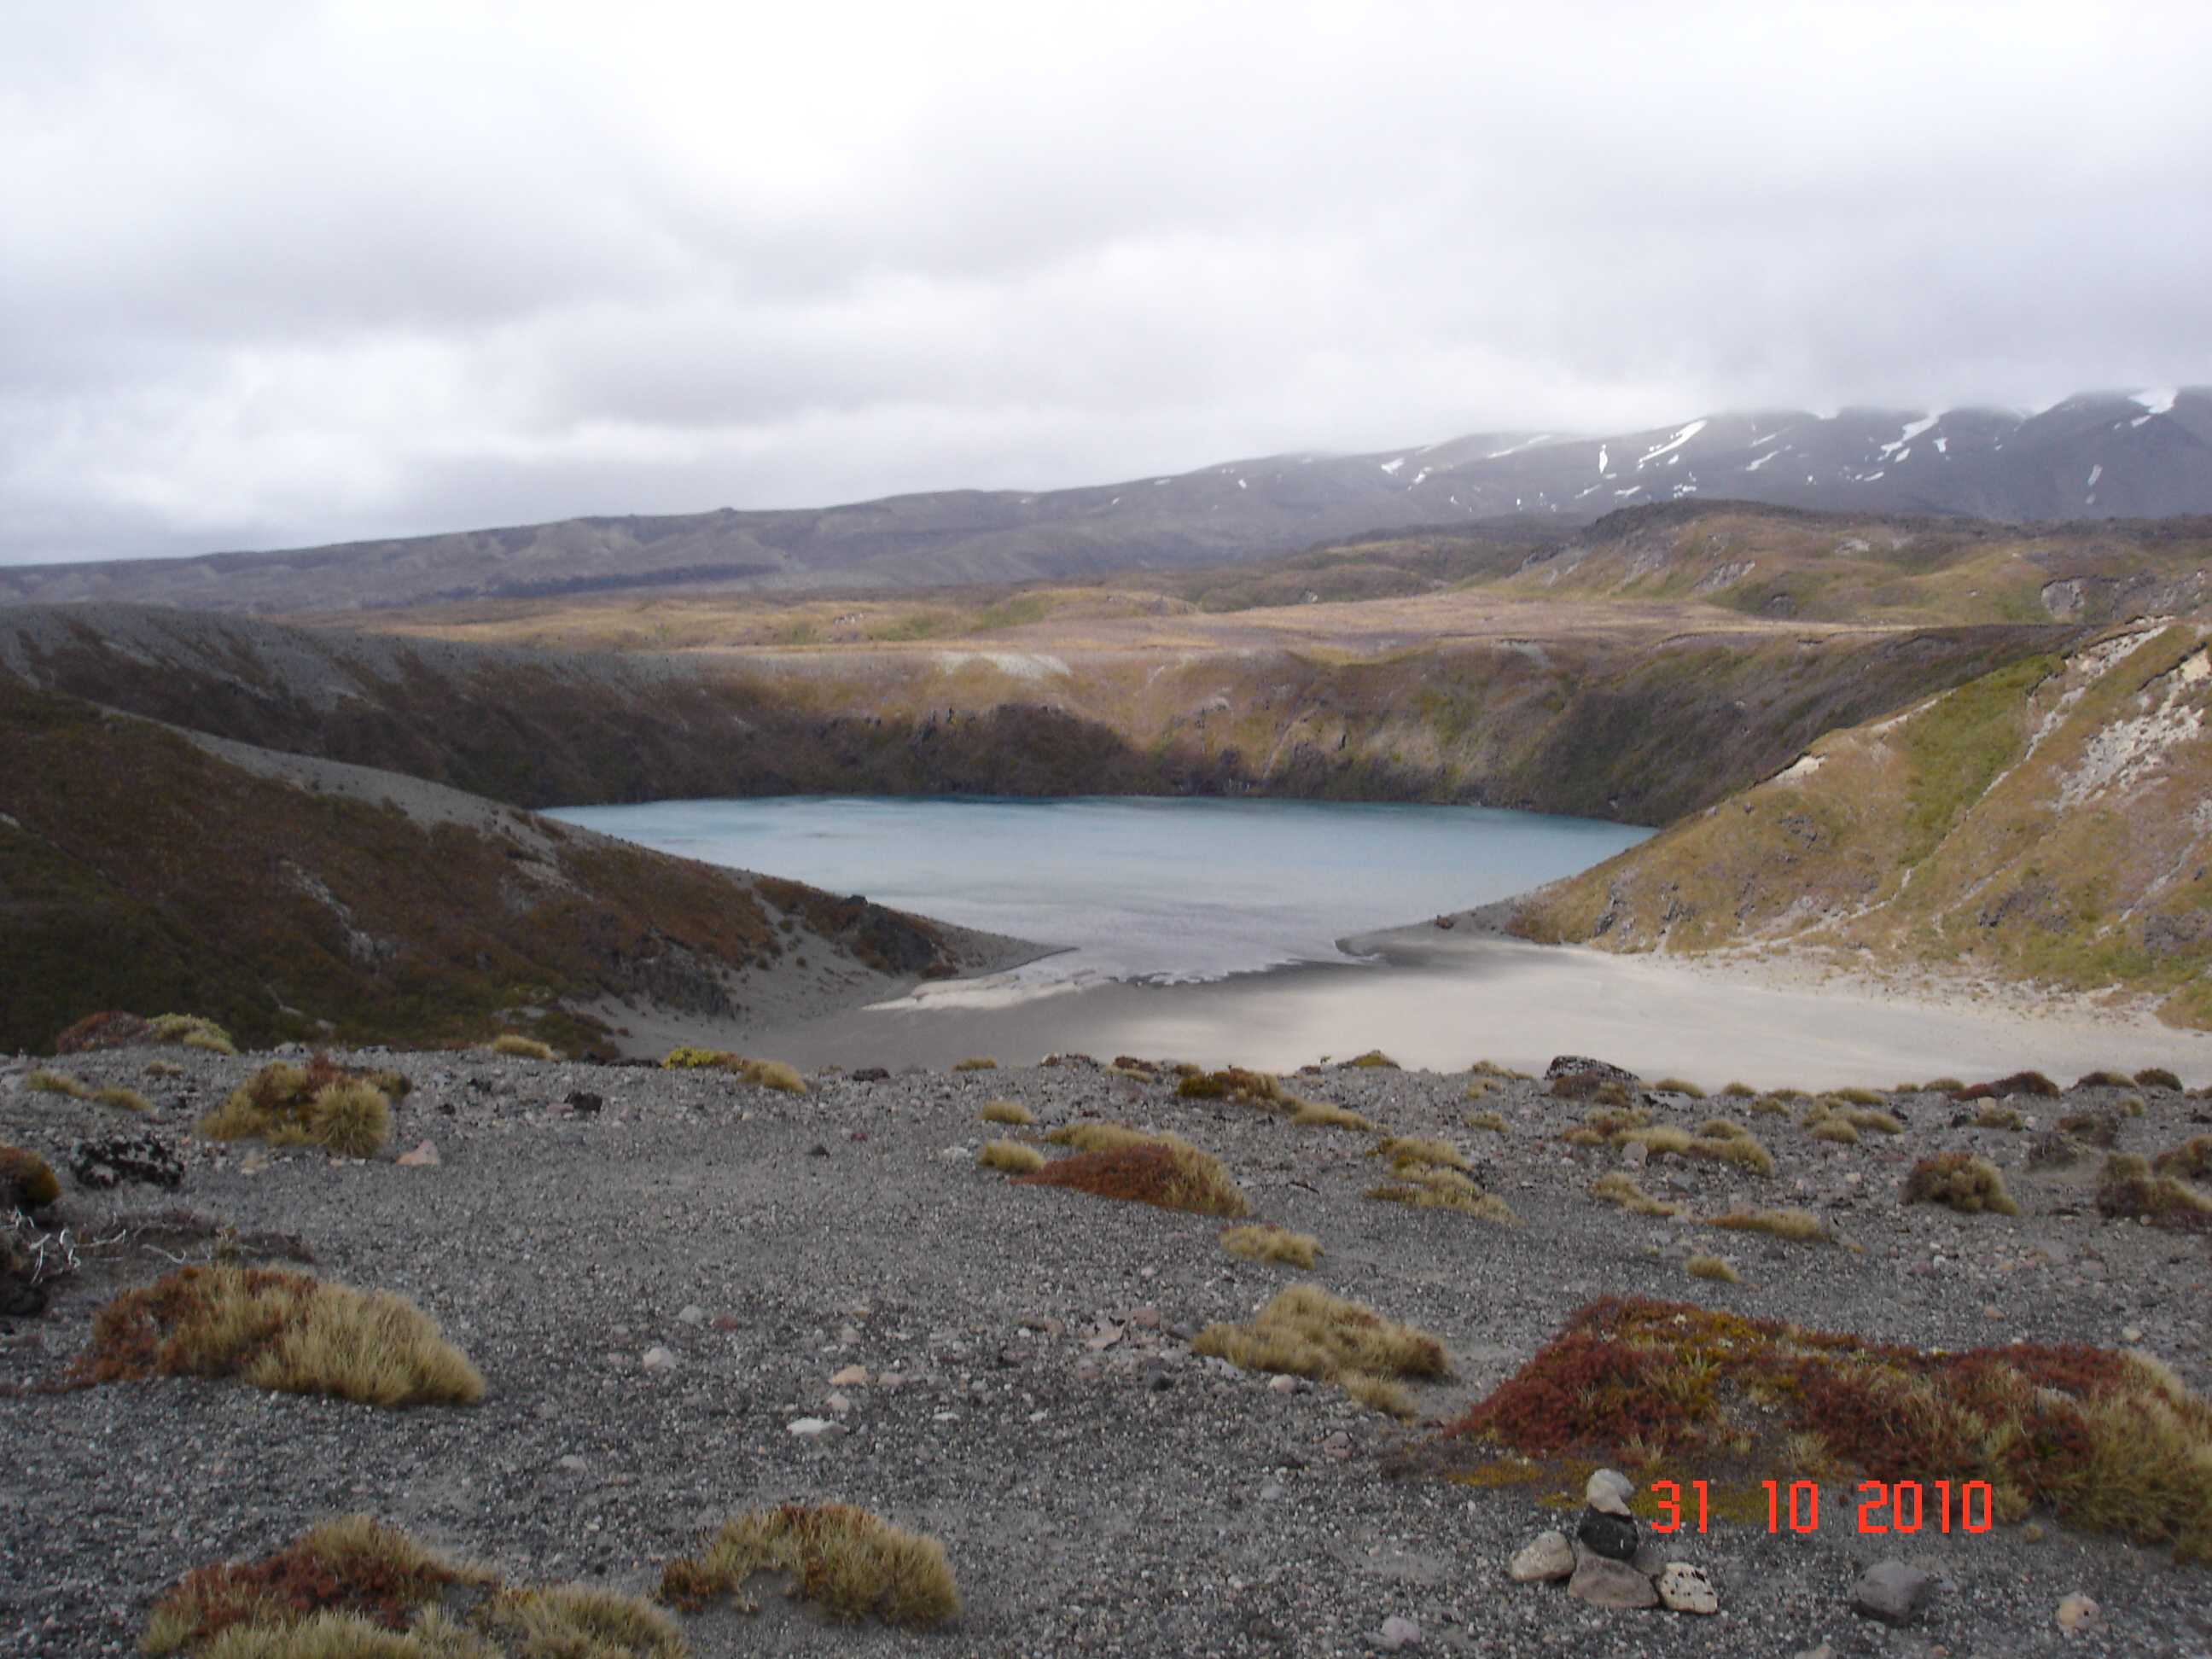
(143, 870)
(2098, 456)
(2051, 821)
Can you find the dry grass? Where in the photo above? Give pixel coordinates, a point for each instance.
(1502, 1074)
(1965, 1182)
(1493, 1121)
(1306, 1332)
(1873, 1118)
(124, 1100)
(2109, 1442)
(518, 1046)
(1426, 1187)
(352, 1588)
(164, 1068)
(2157, 1076)
(1007, 1111)
(1321, 1115)
(761, 1073)
(1713, 1268)
(1618, 1187)
(1266, 1242)
(1718, 1140)
(1374, 1060)
(1407, 1153)
(850, 1563)
(1836, 1131)
(45, 1081)
(2130, 1189)
(1012, 1157)
(191, 1031)
(1164, 1170)
(1232, 1083)
(1735, 1090)
(1994, 1116)
(287, 1332)
(1676, 1085)
(2191, 1160)
(1797, 1226)
(1480, 1088)
(1856, 1096)
(316, 1105)
(976, 1063)
(26, 1181)
(1771, 1106)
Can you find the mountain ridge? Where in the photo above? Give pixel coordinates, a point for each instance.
(2094, 456)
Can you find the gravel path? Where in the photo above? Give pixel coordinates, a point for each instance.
(1098, 1488)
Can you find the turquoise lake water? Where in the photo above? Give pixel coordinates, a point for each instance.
(1142, 889)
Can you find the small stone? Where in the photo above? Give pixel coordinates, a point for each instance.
(818, 1149)
(1607, 1491)
(1893, 1592)
(839, 1405)
(1683, 1589)
(724, 1322)
(1106, 1337)
(1282, 1385)
(1613, 1536)
(658, 1358)
(1604, 1583)
(2076, 1613)
(1545, 1560)
(573, 1464)
(1635, 1155)
(1273, 1491)
(1145, 1318)
(852, 1376)
(891, 1380)
(424, 1155)
(1338, 1446)
(848, 1334)
(808, 1427)
(691, 1314)
(254, 1163)
(2131, 1332)
(1398, 1632)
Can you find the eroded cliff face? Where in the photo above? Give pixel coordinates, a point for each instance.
(1640, 726)
(2051, 821)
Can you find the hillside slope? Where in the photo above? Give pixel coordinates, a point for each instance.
(2049, 821)
(1611, 714)
(140, 869)
(2100, 455)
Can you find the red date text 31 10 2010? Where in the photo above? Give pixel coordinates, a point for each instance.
(1885, 1506)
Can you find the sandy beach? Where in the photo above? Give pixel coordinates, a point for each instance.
(1441, 1000)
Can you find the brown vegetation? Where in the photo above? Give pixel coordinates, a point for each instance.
(321, 1104)
(1164, 1170)
(1965, 1182)
(1012, 1157)
(1304, 1331)
(1266, 1242)
(850, 1563)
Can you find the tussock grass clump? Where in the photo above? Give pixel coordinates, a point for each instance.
(1796, 1226)
(2191, 1160)
(1480, 1088)
(761, 1073)
(1428, 1188)
(2157, 1076)
(1007, 1111)
(1618, 1187)
(1165, 1170)
(1615, 1122)
(1676, 1085)
(1012, 1157)
(288, 1332)
(1322, 1114)
(26, 1181)
(1967, 1184)
(2109, 1442)
(1872, 1118)
(1713, 1268)
(1942, 1086)
(1232, 1083)
(164, 1068)
(1856, 1096)
(850, 1563)
(1306, 1332)
(2053, 1149)
(2131, 1189)
(975, 1063)
(1994, 1116)
(1503, 1074)
(1410, 1153)
(1374, 1060)
(1771, 1106)
(45, 1081)
(124, 1100)
(316, 1105)
(1268, 1242)
(519, 1047)
(2132, 1106)
(2017, 1083)
(1735, 1090)
(2103, 1080)
(1493, 1121)
(353, 1589)
(191, 1031)
(2098, 1129)
(1722, 1128)
(1742, 1148)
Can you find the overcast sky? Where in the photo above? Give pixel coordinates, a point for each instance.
(285, 273)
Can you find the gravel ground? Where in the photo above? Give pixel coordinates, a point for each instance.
(1097, 1493)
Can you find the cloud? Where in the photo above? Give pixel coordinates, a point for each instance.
(286, 273)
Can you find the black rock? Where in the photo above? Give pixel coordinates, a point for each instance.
(1613, 1536)
(870, 1074)
(584, 1102)
(116, 1158)
(1582, 1066)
